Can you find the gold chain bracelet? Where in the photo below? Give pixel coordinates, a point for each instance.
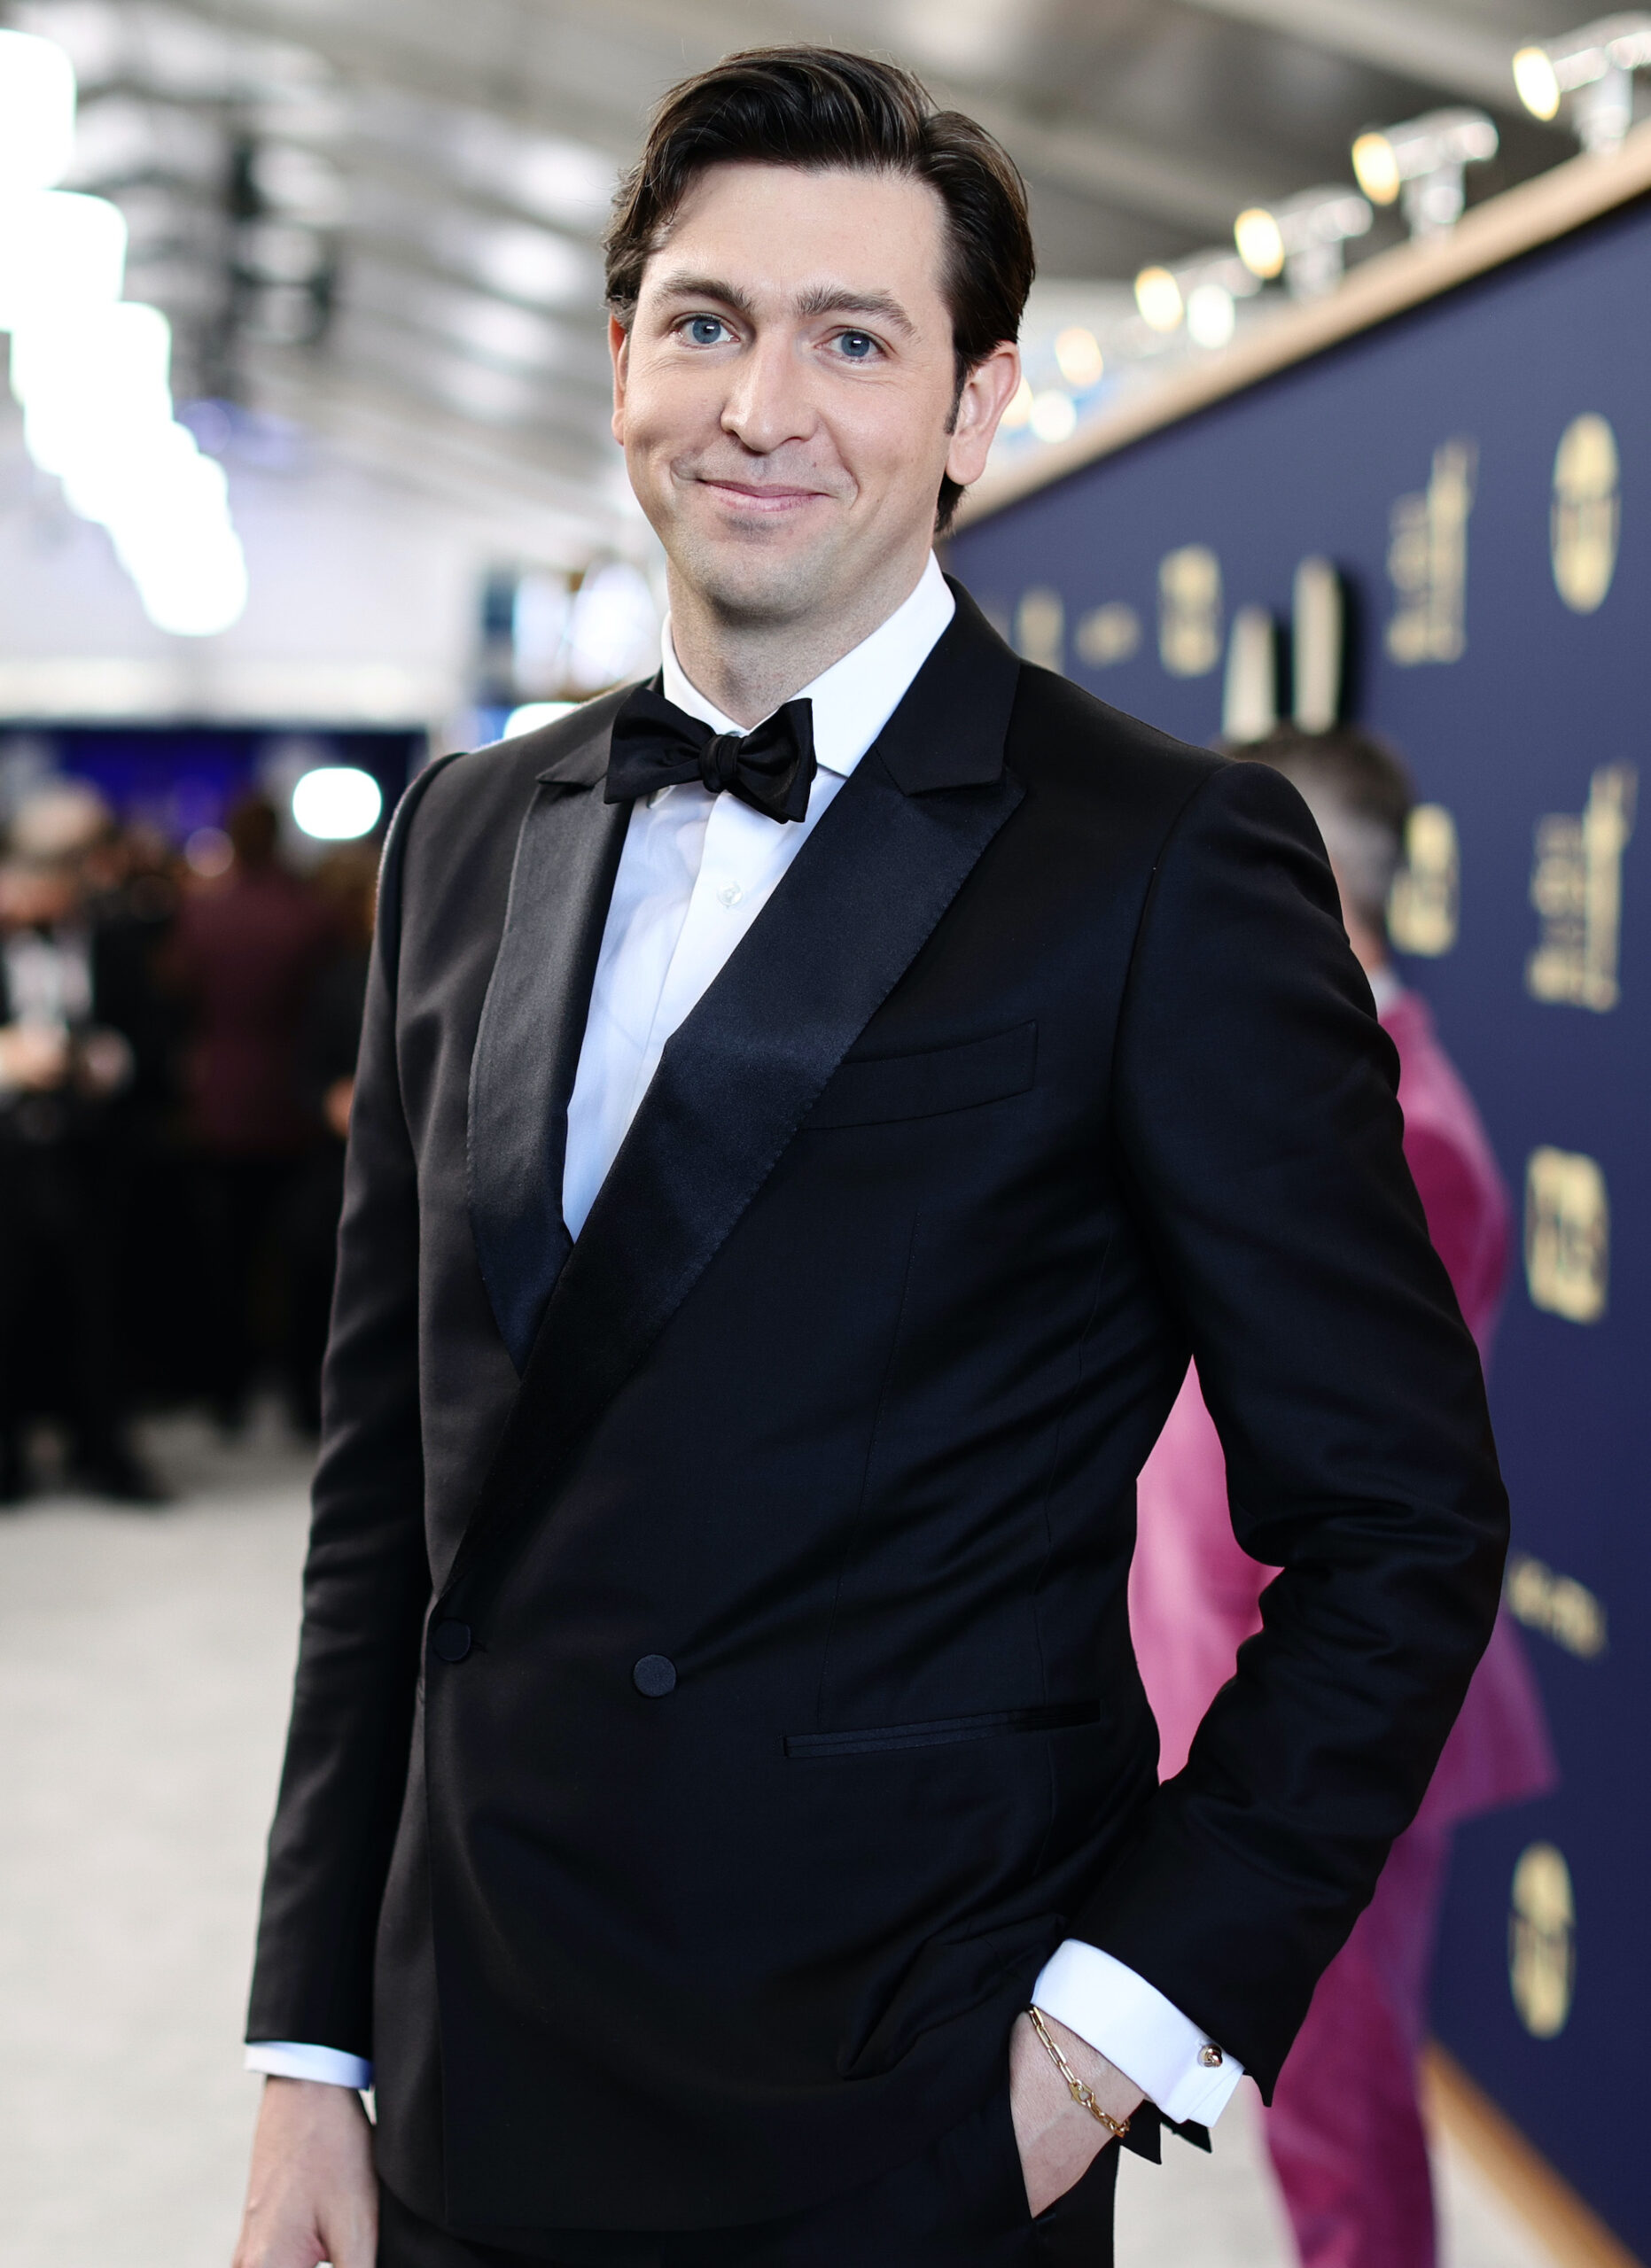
(1082, 2094)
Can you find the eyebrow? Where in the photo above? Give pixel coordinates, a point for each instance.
(819, 299)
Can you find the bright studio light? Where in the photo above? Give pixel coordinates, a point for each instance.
(1212, 315)
(1260, 242)
(1375, 165)
(1078, 352)
(194, 585)
(1595, 66)
(1054, 415)
(1537, 83)
(336, 803)
(1158, 297)
(93, 371)
(36, 112)
(59, 251)
(115, 359)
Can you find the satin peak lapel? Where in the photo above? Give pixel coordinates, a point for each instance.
(860, 900)
(532, 1023)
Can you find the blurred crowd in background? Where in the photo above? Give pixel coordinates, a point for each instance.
(177, 1056)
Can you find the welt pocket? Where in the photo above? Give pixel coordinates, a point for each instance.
(945, 1732)
(867, 1089)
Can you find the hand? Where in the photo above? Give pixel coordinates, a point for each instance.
(336, 1104)
(35, 1057)
(1057, 2138)
(312, 2194)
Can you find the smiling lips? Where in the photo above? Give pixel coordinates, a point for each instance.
(767, 498)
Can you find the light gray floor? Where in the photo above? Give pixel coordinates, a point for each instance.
(143, 1663)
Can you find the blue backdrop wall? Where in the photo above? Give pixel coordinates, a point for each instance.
(1479, 469)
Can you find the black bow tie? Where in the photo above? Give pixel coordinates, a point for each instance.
(656, 744)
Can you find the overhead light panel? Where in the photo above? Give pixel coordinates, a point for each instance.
(37, 113)
(1594, 65)
(1303, 238)
(1422, 165)
(59, 251)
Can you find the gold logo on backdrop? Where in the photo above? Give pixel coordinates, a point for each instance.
(1542, 1941)
(1557, 1606)
(1586, 519)
(1576, 887)
(1421, 909)
(1568, 1235)
(1040, 629)
(1426, 561)
(1108, 634)
(1189, 611)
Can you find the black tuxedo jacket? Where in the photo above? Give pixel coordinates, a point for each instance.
(1046, 1065)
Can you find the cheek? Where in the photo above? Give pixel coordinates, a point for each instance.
(665, 409)
(893, 436)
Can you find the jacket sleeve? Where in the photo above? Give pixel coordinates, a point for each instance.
(367, 1576)
(1257, 1128)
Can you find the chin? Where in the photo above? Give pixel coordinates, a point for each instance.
(753, 579)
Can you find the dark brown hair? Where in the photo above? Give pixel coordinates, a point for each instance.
(816, 108)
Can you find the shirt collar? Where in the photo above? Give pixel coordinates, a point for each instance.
(853, 699)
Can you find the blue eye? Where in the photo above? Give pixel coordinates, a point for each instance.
(705, 330)
(857, 346)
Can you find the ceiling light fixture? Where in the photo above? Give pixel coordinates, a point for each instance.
(1301, 239)
(1422, 163)
(1594, 65)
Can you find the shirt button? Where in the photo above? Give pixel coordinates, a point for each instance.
(1212, 2058)
(730, 894)
(655, 1675)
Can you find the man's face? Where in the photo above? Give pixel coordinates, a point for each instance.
(784, 393)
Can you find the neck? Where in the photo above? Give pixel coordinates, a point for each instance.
(749, 666)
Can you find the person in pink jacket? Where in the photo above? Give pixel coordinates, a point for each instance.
(1345, 2130)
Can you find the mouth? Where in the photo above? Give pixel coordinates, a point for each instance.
(767, 500)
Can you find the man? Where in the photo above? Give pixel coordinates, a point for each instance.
(806, 1113)
(77, 1069)
(1344, 2127)
(246, 954)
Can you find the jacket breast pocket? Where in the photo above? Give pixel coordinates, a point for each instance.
(945, 1732)
(872, 1090)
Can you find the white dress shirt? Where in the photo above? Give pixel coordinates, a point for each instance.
(695, 871)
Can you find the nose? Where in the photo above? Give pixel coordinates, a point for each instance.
(769, 401)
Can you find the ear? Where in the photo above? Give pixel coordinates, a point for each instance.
(620, 356)
(987, 393)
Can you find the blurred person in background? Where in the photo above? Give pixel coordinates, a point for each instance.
(78, 1067)
(1345, 2128)
(348, 880)
(245, 952)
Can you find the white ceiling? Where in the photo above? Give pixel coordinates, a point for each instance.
(379, 218)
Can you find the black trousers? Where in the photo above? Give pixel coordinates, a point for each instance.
(962, 2204)
(59, 1347)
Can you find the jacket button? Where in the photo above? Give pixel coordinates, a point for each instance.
(450, 1640)
(654, 1675)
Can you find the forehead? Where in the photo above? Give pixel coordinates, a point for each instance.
(778, 229)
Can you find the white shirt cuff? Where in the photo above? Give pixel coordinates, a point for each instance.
(1132, 2024)
(296, 2058)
